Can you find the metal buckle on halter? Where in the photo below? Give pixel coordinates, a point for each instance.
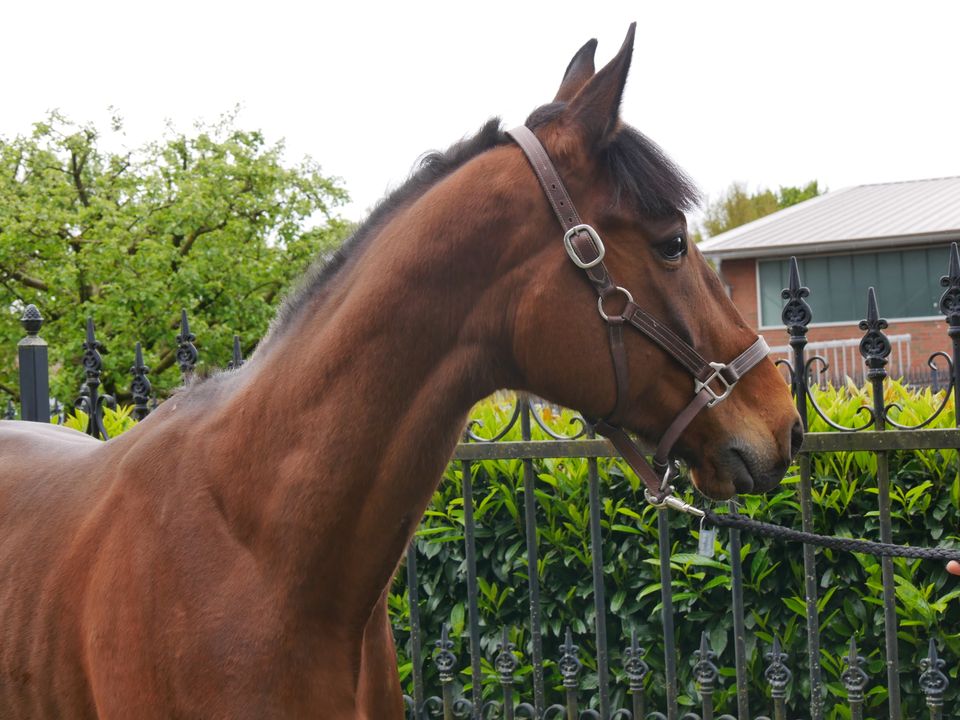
(699, 385)
(568, 244)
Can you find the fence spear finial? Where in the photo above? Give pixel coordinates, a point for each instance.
(186, 350)
(778, 675)
(950, 300)
(933, 682)
(140, 387)
(854, 678)
(705, 670)
(237, 359)
(874, 346)
(796, 313)
(569, 663)
(505, 662)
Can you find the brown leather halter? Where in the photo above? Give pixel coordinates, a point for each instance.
(712, 381)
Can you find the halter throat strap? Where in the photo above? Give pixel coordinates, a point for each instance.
(713, 381)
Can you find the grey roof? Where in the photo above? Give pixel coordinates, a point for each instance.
(860, 217)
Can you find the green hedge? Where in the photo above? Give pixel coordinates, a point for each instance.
(926, 511)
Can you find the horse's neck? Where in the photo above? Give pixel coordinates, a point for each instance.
(343, 425)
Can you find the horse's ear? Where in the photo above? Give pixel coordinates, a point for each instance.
(579, 71)
(596, 108)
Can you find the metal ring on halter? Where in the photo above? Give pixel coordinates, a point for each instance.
(672, 471)
(626, 294)
(652, 499)
(598, 243)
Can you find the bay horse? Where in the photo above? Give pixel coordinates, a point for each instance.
(229, 557)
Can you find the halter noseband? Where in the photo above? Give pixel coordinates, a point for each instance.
(712, 381)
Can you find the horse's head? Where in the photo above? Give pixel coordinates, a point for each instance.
(634, 198)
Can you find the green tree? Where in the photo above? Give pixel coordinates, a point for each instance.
(736, 206)
(213, 221)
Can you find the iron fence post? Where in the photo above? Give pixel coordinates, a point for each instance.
(90, 400)
(797, 315)
(34, 369)
(666, 613)
(599, 594)
(473, 613)
(569, 665)
(413, 601)
(875, 348)
(533, 568)
(739, 623)
(446, 663)
(950, 306)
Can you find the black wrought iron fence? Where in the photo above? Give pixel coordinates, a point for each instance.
(509, 681)
(574, 699)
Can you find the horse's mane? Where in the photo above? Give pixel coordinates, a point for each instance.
(641, 172)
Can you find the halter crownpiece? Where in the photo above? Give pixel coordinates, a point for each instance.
(712, 381)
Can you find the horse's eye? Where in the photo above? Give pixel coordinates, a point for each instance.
(674, 248)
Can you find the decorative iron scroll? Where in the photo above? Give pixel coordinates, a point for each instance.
(854, 678)
(778, 675)
(506, 662)
(705, 671)
(444, 659)
(90, 400)
(527, 405)
(633, 664)
(933, 681)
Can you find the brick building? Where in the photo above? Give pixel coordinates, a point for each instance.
(894, 236)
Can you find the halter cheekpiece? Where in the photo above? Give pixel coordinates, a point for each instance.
(712, 381)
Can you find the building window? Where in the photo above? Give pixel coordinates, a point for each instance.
(907, 284)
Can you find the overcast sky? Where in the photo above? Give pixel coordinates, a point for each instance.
(767, 93)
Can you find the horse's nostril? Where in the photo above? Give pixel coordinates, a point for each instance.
(796, 439)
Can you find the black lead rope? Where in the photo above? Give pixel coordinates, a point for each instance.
(740, 522)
